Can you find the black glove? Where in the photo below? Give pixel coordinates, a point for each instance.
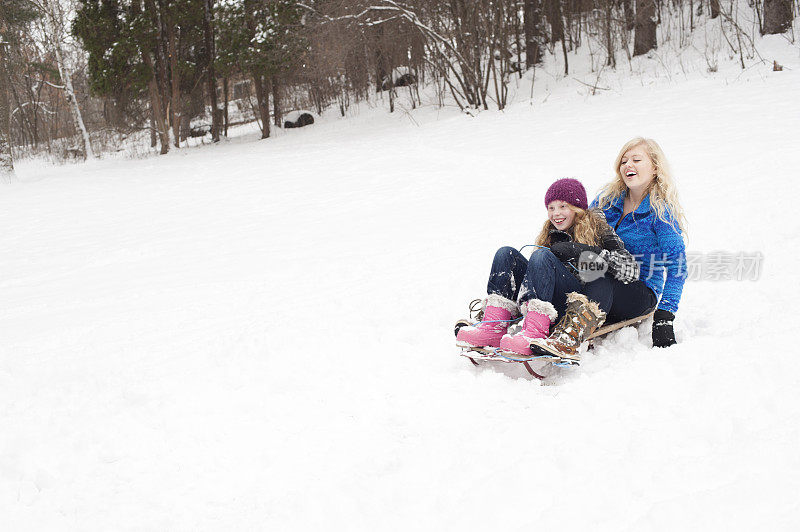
(570, 251)
(663, 334)
(559, 236)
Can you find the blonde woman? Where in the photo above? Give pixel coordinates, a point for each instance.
(576, 249)
(641, 204)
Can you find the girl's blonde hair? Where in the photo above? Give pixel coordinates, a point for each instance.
(662, 190)
(587, 228)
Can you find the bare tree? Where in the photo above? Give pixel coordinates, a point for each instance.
(175, 105)
(533, 32)
(558, 29)
(6, 157)
(54, 18)
(611, 60)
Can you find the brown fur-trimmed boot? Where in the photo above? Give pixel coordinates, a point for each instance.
(580, 320)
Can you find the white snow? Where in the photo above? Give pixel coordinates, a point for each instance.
(258, 334)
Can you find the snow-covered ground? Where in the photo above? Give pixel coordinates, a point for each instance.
(258, 334)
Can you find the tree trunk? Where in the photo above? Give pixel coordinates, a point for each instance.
(53, 20)
(627, 9)
(645, 37)
(175, 96)
(714, 8)
(6, 157)
(777, 16)
(24, 119)
(262, 94)
(211, 78)
(381, 68)
(533, 32)
(153, 130)
(160, 69)
(611, 59)
(556, 23)
(517, 43)
(225, 109)
(276, 102)
(155, 104)
(262, 98)
(72, 101)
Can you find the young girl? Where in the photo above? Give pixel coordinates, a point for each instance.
(642, 205)
(576, 250)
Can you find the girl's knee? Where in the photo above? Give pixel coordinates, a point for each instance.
(543, 255)
(506, 252)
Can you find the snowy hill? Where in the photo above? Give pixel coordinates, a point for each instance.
(258, 335)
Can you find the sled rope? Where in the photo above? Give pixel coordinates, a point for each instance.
(531, 246)
(475, 306)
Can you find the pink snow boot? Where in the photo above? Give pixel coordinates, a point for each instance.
(538, 317)
(497, 317)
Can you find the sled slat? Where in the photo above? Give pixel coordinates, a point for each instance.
(619, 325)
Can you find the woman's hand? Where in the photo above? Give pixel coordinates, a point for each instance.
(663, 333)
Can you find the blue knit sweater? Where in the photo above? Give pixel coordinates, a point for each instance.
(656, 245)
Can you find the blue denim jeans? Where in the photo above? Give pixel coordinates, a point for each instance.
(542, 277)
(545, 277)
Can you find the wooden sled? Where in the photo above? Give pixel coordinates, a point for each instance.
(478, 354)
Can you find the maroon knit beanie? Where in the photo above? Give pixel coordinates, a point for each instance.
(569, 190)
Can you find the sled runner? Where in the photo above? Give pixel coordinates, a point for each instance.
(476, 354)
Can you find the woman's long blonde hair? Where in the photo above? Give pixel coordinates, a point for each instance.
(662, 190)
(587, 228)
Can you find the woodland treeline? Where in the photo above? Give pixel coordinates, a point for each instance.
(79, 76)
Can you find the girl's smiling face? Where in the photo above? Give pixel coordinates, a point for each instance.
(636, 168)
(560, 214)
